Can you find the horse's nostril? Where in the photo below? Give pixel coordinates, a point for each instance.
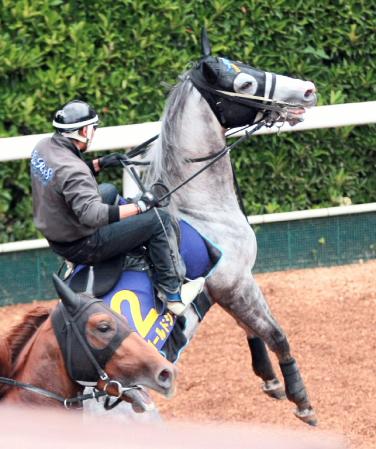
(165, 376)
(311, 90)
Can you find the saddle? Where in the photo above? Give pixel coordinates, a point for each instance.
(100, 278)
(125, 283)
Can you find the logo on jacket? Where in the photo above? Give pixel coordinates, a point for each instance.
(40, 169)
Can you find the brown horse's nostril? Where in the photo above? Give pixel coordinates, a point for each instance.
(165, 377)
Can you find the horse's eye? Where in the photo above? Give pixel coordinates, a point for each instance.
(104, 327)
(247, 85)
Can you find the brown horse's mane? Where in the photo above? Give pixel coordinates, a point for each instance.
(11, 344)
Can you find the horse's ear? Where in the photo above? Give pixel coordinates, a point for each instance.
(210, 74)
(67, 295)
(205, 43)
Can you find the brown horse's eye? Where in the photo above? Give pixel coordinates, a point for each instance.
(104, 327)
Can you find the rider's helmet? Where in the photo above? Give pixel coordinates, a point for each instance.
(72, 117)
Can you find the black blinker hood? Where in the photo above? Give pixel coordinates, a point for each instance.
(77, 362)
(213, 74)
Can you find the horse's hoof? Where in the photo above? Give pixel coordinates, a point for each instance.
(274, 389)
(307, 415)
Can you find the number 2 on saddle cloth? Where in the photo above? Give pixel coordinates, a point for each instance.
(126, 285)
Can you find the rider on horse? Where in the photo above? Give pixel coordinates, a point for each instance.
(83, 226)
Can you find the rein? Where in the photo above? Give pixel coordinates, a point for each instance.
(214, 158)
(141, 149)
(67, 402)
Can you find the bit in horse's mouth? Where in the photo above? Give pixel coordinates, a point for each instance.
(140, 400)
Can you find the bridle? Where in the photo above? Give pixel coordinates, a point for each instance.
(247, 99)
(266, 105)
(70, 323)
(85, 364)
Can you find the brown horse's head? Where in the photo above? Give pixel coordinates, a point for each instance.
(99, 346)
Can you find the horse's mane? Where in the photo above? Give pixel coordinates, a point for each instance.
(165, 160)
(11, 344)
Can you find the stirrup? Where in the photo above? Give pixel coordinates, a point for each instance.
(69, 268)
(189, 292)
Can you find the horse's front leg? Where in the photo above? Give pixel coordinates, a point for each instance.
(250, 308)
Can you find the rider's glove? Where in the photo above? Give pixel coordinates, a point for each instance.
(146, 202)
(110, 160)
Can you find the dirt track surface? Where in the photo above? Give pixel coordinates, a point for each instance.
(329, 315)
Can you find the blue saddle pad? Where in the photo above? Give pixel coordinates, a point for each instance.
(133, 294)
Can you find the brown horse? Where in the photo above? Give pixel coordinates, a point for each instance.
(80, 342)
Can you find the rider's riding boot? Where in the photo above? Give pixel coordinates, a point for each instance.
(178, 302)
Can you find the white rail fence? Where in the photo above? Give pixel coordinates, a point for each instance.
(128, 136)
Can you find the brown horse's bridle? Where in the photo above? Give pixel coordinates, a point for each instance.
(75, 348)
(112, 388)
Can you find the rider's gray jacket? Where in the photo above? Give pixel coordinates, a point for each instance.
(66, 202)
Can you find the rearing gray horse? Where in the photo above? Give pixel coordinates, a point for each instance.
(217, 94)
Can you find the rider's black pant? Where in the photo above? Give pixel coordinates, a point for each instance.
(126, 235)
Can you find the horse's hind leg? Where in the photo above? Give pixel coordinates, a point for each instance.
(251, 309)
(263, 368)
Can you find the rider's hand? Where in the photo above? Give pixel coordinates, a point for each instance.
(110, 160)
(147, 201)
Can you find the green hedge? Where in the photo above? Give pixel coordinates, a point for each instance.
(115, 54)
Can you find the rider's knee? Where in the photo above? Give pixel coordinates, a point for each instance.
(158, 217)
(108, 193)
(164, 216)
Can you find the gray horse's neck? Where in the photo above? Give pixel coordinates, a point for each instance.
(191, 130)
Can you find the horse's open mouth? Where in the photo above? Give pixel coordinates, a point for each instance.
(295, 115)
(140, 400)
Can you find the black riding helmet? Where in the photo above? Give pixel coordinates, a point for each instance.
(74, 115)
